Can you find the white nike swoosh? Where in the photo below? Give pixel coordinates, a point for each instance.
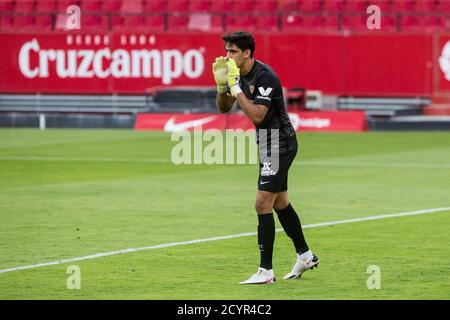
(264, 182)
(171, 126)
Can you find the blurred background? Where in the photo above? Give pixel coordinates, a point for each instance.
(138, 63)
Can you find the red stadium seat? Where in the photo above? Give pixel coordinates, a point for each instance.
(292, 22)
(94, 23)
(178, 6)
(287, 6)
(6, 22)
(311, 6)
(357, 6)
(330, 22)
(154, 6)
(268, 22)
(24, 23)
(91, 5)
(155, 23)
(245, 22)
(388, 22)
(217, 23)
(200, 6)
(6, 5)
(62, 5)
(426, 6)
(313, 22)
(404, 5)
(354, 22)
(44, 22)
(131, 6)
(199, 21)
(221, 6)
(24, 6)
(111, 5)
(243, 6)
(267, 6)
(178, 22)
(334, 6)
(46, 6)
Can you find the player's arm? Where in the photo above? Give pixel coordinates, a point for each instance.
(256, 112)
(224, 101)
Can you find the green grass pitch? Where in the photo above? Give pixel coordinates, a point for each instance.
(73, 193)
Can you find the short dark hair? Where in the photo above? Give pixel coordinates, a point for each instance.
(242, 39)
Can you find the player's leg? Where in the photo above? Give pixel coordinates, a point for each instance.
(290, 222)
(266, 237)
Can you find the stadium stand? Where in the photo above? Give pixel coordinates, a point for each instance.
(223, 15)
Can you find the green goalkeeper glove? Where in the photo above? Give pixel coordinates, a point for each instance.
(233, 77)
(220, 71)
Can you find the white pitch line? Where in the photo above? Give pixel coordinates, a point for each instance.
(318, 163)
(174, 244)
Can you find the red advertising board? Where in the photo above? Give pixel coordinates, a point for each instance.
(302, 121)
(378, 65)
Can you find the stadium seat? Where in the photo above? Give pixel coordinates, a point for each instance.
(221, 6)
(200, 6)
(267, 6)
(288, 6)
(6, 22)
(243, 6)
(24, 6)
(311, 6)
(44, 22)
(312, 22)
(94, 23)
(177, 6)
(91, 5)
(155, 23)
(244, 22)
(6, 5)
(404, 5)
(62, 5)
(292, 22)
(330, 22)
(355, 22)
(217, 23)
(357, 6)
(268, 22)
(131, 6)
(112, 6)
(199, 22)
(178, 22)
(24, 23)
(389, 22)
(45, 6)
(334, 6)
(154, 6)
(427, 5)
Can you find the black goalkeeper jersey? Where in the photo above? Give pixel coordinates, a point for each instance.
(262, 86)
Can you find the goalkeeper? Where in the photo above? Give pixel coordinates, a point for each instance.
(258, 91)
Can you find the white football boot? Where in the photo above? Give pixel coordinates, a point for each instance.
(305, 261)
(263, 276)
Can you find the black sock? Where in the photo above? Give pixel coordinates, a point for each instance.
(293, 228)
(266, 238)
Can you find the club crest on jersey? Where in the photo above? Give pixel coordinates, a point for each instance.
(251, 88)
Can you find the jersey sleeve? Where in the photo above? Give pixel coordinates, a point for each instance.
(267, 89)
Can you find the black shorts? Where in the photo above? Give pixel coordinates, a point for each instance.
(272, 179)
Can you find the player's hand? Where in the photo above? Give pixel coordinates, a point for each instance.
(233, 77)
(220, 71)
